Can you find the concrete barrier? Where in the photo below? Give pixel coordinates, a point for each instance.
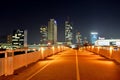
(109, 52)
(12, 61)
(2, 66)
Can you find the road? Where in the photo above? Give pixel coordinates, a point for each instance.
(69, 65)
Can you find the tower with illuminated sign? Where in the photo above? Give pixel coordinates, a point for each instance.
(52, 31)
(94, 37)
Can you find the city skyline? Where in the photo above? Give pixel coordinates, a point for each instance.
(101, 16)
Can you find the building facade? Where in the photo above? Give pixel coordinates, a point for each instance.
(68, 32)
(108, 42)
(43, 34)
(19, 38)
(9, 39)
(78, 38)
(52, 31)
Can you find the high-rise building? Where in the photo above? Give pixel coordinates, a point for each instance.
(25, 38)
(78, 38)
(43, 34)
(19, 38)
(68, 32)
(94, 37)
(52, 31)
(9, 38)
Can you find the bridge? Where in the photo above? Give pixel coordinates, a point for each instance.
(63, 63)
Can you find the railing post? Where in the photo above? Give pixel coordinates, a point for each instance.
(53, 50)
(26, 58)
(42, 53)
(9, 68)
(110, 51)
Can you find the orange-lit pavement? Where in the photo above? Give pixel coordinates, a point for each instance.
(69, 65)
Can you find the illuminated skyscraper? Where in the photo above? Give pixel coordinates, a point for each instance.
(78, 38)
(43, 34)
(52, 31)
(19, 38)
(94, 37)
(68, 32)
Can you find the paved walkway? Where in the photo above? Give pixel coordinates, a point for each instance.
(69, 65)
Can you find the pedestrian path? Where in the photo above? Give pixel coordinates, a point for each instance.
(69, 65)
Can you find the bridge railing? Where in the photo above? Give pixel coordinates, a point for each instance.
(15, 59)
(111, 52)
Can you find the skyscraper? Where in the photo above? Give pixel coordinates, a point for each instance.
(52, 31)
(68, 32)
(43, 34)
(78, 38)
(94, 37)
(19, 38)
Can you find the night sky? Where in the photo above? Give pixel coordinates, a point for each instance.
(102, 16)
